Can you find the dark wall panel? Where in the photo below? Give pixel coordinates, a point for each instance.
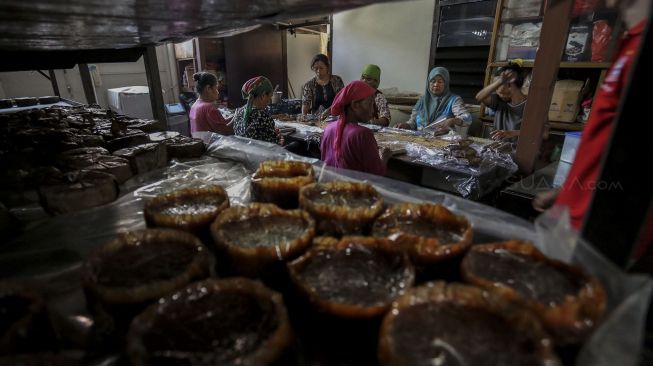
(259, 52)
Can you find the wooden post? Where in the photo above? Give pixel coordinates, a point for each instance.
(87, 83)
(53, 80)
(545, 71)
(493, 49)
(200, 62)
(154, 83)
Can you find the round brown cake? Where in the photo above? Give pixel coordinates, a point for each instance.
(341, 208)
(569, 302)
(354, 277)
(261, 236)
(189, 209)
(455, 324)
(279, 182)
(142, 266)
(232, 321)
(430, 233)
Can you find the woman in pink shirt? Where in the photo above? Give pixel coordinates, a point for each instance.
(347, 145)
(204, 116)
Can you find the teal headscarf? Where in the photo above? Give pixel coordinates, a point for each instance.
(429, 106)
(253, 88)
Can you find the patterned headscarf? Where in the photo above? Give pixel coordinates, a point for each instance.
(373, 72)
(356, 90)
(429, 105)
(253, 88)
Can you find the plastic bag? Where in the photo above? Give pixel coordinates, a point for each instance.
(601, 36)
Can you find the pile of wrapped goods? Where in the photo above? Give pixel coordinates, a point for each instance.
(72, 158)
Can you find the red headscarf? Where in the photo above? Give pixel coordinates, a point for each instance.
(356, 90)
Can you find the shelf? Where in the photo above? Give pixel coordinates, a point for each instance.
(533, 19)
(564, 126)
(563, 64)
(560, 126)
(186, 59)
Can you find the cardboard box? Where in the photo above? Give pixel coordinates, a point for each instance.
(566, 100)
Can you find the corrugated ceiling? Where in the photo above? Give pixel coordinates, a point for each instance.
(109, 24)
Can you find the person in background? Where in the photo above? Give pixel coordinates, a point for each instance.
(577, 190)
(203, 115)
(438, 108)
(345, 144)
(321, 89)
(508, 101)
(253, 120)
(371, 75)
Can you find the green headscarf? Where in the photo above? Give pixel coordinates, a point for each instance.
(253, 88)
(374, 72)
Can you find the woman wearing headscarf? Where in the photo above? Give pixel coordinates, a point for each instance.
(438, 107)
(321, 89)
(371, 75)
(253, 120)
(204, 116)
(345, 144)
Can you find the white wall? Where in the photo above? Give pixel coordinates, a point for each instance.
(395, 36)
(300, 50)
(111, 75)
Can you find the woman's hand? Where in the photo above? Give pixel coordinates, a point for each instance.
(544, 200)
(447, 123)
(385, 153)
(279, 136)
(504, 134)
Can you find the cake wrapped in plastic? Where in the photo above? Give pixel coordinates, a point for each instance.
(456, 324)
(188, 209)
(137, 268)
(232, 321)
(279, 182)
(354, 277)
(342, 208)
(430, 233)
(261, 237)
(569, 302)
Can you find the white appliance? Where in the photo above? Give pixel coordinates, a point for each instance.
(132, 101)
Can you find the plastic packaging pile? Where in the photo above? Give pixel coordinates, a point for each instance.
(470, 180)
(49, 253)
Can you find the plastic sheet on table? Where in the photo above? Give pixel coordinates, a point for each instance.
(232, 176)
(470, 180)
(249, 152)
(301, 128)
(61, 243)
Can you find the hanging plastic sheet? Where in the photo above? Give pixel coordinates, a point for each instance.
(49, 253)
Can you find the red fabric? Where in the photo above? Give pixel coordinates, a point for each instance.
(359, 149)
(204, 116)
(601, 35)
(576, 192)
(251, 84)
(356, 90)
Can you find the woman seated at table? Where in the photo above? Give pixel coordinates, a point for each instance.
(347, 145)
(204, 116)
(438, 108)
(253, 120)
(321, 89)
(371, 75)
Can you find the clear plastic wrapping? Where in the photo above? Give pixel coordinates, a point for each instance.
(49, 252)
